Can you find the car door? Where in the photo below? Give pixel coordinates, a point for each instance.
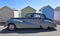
(32, 22)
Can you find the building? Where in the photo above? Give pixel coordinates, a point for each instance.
(26, 10)
(48, 11)
(7, 13)
(57, 14)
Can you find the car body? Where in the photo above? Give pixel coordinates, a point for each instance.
(29, 22)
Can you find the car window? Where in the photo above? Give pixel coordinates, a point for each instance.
(29, 16)
(37, 16)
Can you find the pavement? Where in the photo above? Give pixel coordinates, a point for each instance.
(57, 22)
(30, 32)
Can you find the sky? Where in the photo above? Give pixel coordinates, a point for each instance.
(36, 4)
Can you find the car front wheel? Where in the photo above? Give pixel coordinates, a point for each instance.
(11, 27)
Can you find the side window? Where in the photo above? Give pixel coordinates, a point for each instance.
(30, 16)
(37, 16)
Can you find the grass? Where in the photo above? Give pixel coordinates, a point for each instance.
(2, 22)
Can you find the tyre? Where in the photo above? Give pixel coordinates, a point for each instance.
(45, 27)
(11, 27)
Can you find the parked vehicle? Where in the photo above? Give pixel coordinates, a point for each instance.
(31, 20)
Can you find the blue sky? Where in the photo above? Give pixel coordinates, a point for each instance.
(37, 4)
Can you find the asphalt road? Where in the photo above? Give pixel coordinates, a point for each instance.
(30, 32)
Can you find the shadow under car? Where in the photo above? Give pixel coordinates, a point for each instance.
(27, 30)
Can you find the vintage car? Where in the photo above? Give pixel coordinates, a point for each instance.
(31, 20)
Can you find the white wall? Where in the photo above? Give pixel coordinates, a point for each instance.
(20, 14)
(16, 14)
(38, 11)
(57, 15)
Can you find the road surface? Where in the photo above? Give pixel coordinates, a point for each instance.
(30, 32)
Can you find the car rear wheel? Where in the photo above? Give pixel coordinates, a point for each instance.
(45, 27)
(11, 27)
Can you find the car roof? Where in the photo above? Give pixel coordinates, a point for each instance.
(34, 13)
